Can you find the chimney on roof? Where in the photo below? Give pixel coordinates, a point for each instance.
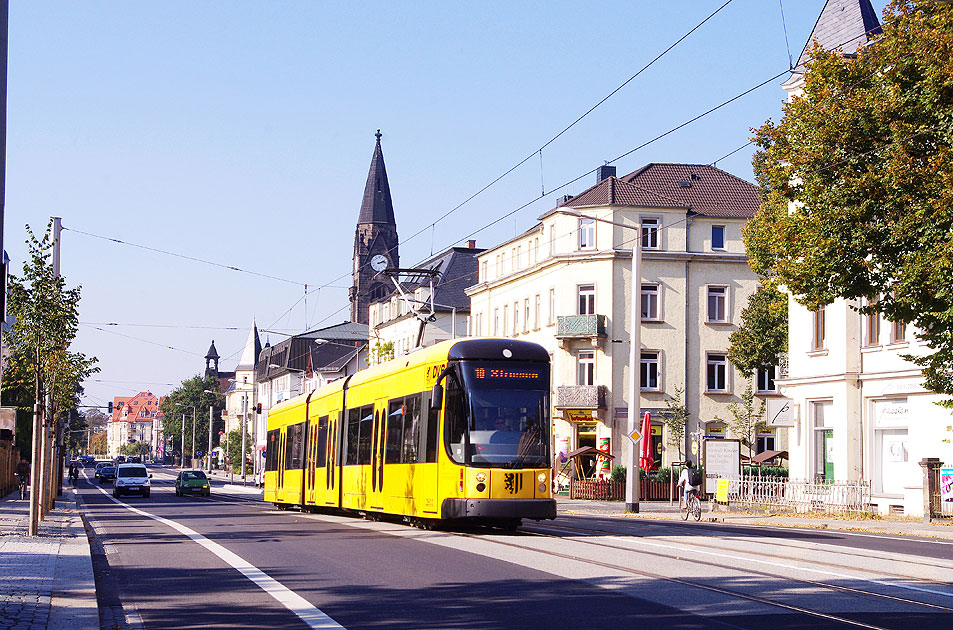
(471, 244)
(563, 199)
(604, 171)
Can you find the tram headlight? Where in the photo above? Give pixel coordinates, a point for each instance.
(480, 487)
(541, 477)
(481, 477)
(542, 487)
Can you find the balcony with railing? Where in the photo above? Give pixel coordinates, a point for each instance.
(591, 327)
(581, 397)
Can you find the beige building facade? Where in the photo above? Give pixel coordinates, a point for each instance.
(566, 284)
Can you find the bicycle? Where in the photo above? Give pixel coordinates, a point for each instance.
(23, 487)
(692, 507)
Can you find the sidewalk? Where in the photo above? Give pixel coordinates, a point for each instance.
(662, 510)
(47, 581)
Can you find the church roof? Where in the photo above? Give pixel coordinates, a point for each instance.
(212, 352)
(377, 206)
(844, 25)
(251, 351)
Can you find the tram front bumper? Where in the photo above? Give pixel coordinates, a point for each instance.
(536, 509)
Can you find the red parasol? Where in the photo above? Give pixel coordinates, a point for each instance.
(646, 460)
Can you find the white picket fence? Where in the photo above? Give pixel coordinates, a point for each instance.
(800, 495)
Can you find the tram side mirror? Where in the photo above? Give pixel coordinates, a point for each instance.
(436, 396)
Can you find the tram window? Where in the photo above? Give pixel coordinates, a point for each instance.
(296, 446)
(353, 433)
(271, 452)
(455, 419)
(395, 431)
(433, 419)
(322, 442)
(411, 429)
(287, 448)
(366, 432)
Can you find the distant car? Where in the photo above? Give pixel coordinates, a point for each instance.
(133, 459)
(192, 482)
(120, 459)
(99, 467)
(88, 459)
(106, 473)
(132, 479)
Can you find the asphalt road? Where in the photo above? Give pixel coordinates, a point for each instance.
(576, 572)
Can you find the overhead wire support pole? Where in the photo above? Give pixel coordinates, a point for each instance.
(632, 469)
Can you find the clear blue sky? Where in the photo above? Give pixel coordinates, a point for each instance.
(241, 132)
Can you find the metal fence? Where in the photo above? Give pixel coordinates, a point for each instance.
(800, 495)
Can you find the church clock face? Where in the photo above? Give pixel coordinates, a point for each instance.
(379, 263)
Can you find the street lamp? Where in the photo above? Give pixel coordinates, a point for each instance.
(182, 455)
(210, 411)
(632, 475)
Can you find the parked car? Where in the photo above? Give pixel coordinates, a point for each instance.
(99, 467)
(88, 459)
(107, 473)
(133, 459)
(132, 479)
(120, 459)
(192, 482)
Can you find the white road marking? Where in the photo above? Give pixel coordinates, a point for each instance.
(311, 615)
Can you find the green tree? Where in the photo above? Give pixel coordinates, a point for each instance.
(192, 393)
(381, 352)
(746, 418)
(136, 448)
(46, 320)
(675, 417)
(234, 450)
(763, 333)
(857, 182)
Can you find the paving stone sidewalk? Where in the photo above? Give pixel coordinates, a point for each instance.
(46, 582)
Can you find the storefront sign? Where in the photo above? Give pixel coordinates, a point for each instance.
(780, 412)
(892, 413)
(578, 415)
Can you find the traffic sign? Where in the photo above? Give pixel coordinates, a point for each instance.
(694, 447)
(635, 436)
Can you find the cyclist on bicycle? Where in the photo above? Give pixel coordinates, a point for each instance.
(23, 472)
(685, 481)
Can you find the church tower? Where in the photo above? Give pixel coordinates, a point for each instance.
(376, 235)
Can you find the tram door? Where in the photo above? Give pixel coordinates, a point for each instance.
(310, 467)
(282, 446)
(375, 489)
(331, 464)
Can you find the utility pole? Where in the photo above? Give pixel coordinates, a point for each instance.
(182, 457)
(193, 435)
(209, 453)
(244, 433)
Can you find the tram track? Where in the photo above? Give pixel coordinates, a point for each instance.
(722, 590)
(588, 530)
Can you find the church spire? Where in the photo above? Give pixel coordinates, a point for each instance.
(376, 235)
(377, 206)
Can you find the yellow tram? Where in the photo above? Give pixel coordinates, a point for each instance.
(458, 431)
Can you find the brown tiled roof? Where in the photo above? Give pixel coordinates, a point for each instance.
(613, 191)
(704, 189)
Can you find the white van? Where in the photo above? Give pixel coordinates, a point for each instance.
(132, 479)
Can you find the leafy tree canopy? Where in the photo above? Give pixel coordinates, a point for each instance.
(763, 333)
(857, 182)
(46, 320)
(192, 393)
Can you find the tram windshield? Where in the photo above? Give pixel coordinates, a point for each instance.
(502, 413)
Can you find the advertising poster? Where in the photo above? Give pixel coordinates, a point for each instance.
(722, 460)
(946, 485)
